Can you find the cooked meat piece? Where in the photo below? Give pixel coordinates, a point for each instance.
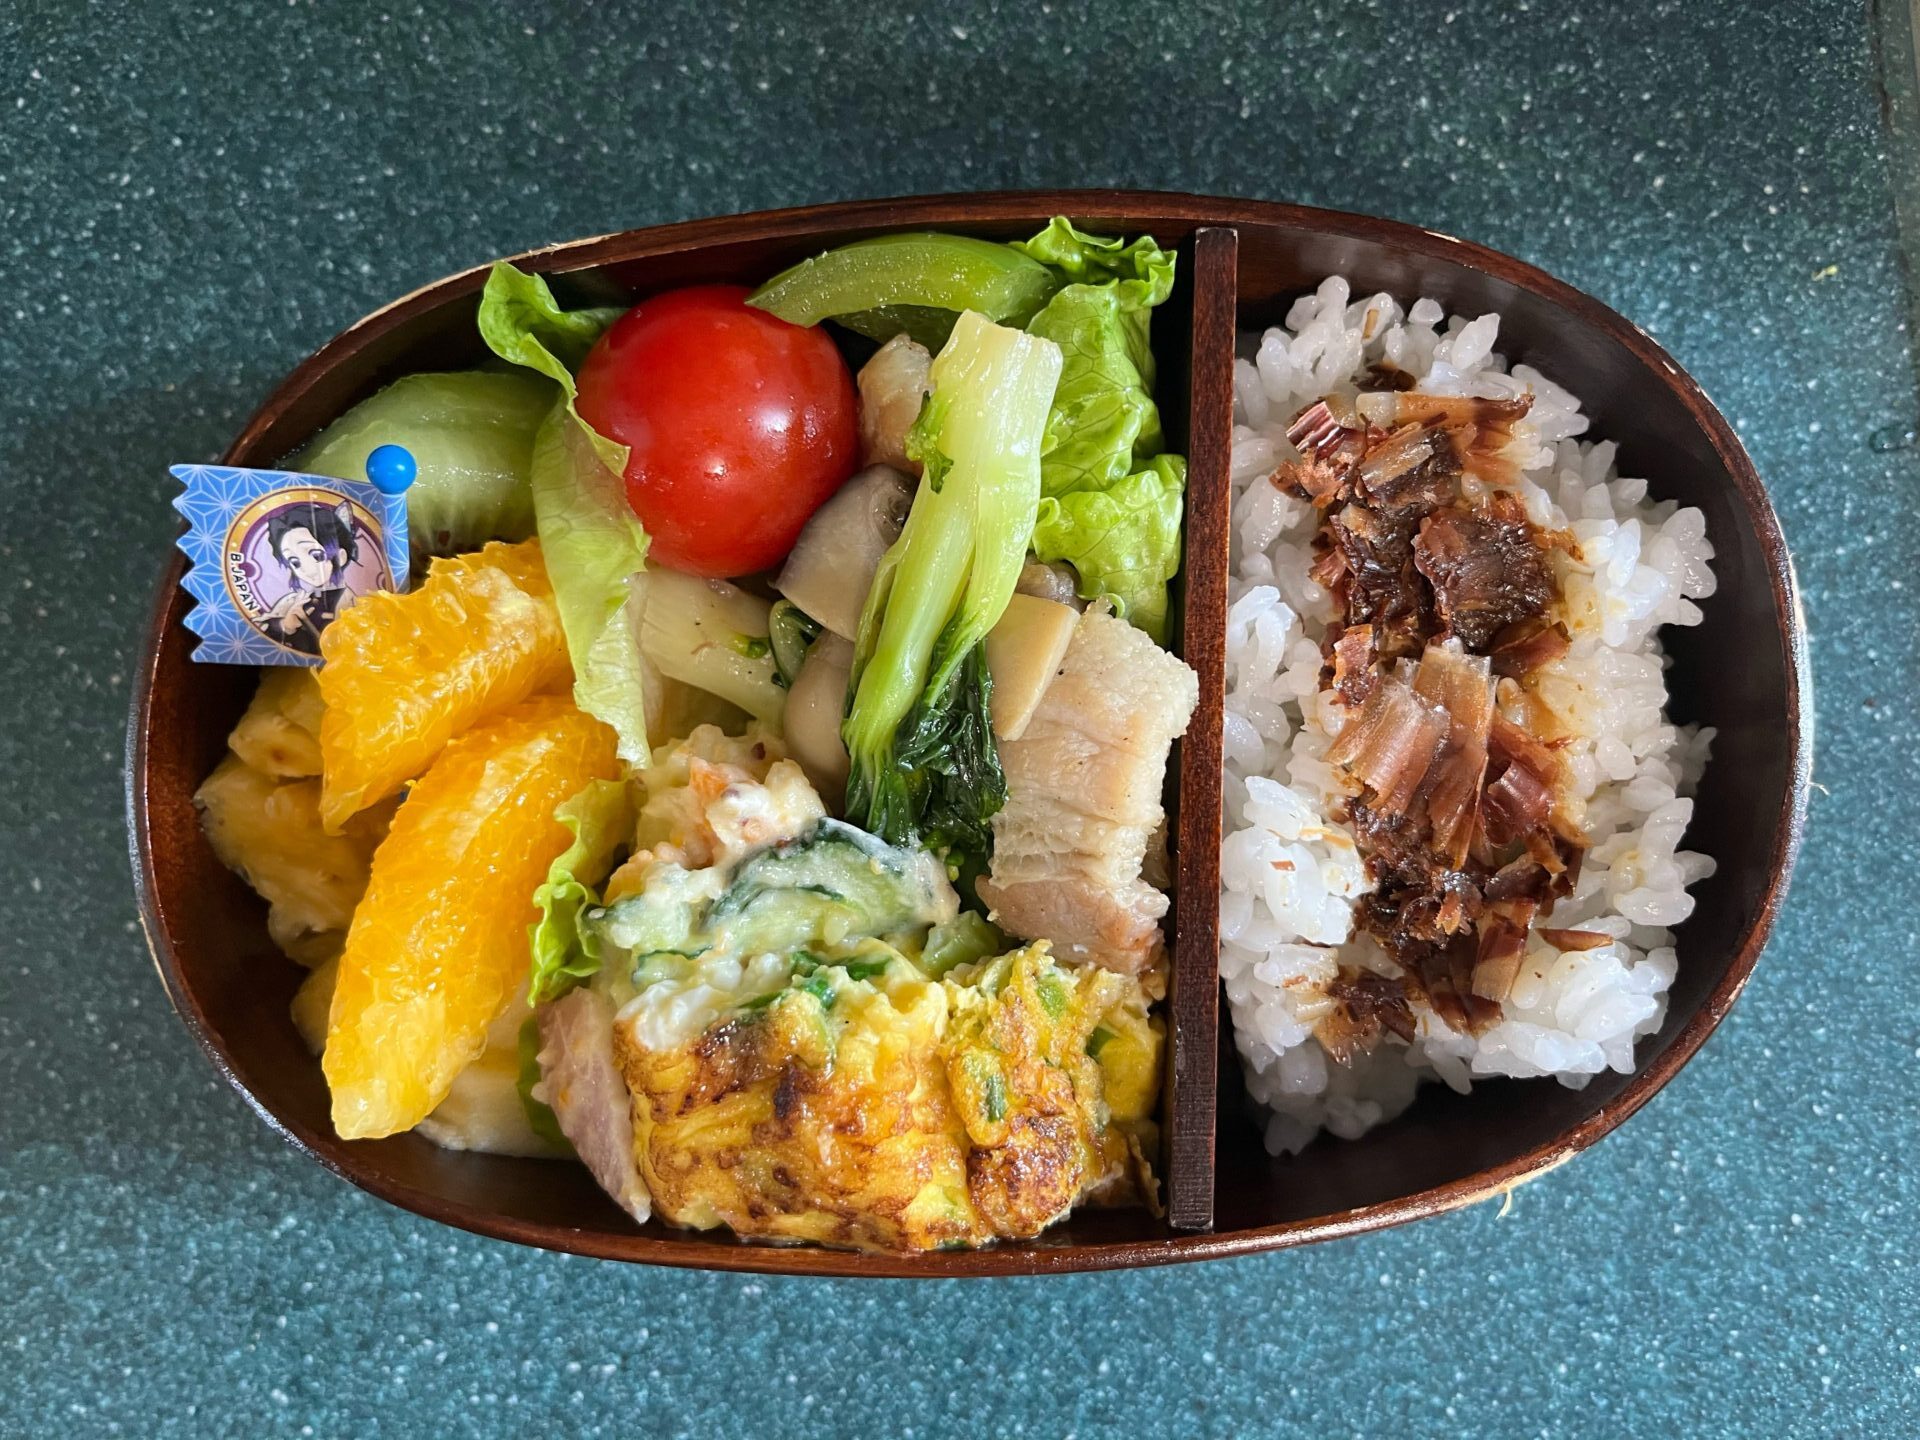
(1487, 568)
(1520, 879)
(1321, 481)
(1330, 445)
(582, 1085)
(1509, 744)
(1106, 923)
(1479, 429)
(1574, 939)
(1445, 976)
(1084, 784)
(1329, 568)
(1476, 416)
(1412, 472)
(1384, 376)
(1364, 1005)
(1317, 431)
(1351, 663)
(1456, 811)
(1503, 945)
(1527, 645)
(1417, 900)
(1382, 586)
(1559, 853)
(1430, 835)
(1518, 802)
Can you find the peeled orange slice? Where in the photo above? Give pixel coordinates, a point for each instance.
(440, 940)
(404, 674)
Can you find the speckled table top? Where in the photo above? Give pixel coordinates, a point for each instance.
(191, 197)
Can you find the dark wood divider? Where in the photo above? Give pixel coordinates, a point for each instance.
(1193, 991)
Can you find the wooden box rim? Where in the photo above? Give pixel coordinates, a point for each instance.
(698, 1250)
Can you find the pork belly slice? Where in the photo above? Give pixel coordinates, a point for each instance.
(1083, 799)
(583, 1087)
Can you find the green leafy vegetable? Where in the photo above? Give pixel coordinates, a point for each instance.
(593, 543)
(919, 689)
(1122, 541)
(790, 630)
(1052, 993)
(1112, 501)
(1143, 270)
(968, 937)
(565, 952)
(471, 435)
(595, 548)
(1099, 1040)
(927, 325)
(946, 750)
(524, 325)
(922, 270)
(833, 880)
(983, 1071)
(540, 1117)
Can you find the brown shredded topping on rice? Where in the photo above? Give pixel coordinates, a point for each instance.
(1444, 589)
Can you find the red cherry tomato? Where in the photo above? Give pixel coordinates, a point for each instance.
(739, 425)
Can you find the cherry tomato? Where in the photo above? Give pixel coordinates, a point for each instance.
(739, 425)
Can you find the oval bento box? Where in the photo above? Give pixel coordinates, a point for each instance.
(1743, 671)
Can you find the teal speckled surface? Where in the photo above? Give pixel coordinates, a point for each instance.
(193, 197)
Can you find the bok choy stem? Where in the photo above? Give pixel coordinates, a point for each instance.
(924, 765)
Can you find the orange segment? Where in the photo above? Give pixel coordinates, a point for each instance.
(440, 941)
(404, 674)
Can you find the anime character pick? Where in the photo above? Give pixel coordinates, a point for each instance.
(274, 556)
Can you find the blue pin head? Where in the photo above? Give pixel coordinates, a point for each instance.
(391, 468)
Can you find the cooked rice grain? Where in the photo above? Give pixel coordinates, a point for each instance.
(1290, 872)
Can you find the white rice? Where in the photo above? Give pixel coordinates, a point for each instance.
(1285, 931)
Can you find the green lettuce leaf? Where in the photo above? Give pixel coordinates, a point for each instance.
(595, 548)
(601, 817)
(471, 435)
(524, 325)
(1124, 540)
(1142, 269)
(1109, 507)
(593, 543)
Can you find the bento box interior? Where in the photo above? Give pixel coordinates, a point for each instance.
(1731, 672)
(244, 985)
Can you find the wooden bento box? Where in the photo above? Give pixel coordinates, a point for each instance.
(1241, 263)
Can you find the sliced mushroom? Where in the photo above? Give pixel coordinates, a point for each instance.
(1049, 582)
(815, 705)
(832, 564)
